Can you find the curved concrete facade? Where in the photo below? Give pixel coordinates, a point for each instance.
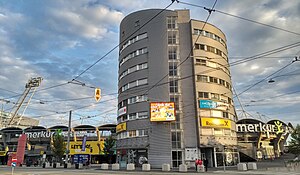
(159, 61)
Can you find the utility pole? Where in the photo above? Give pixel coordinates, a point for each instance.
(68, 141)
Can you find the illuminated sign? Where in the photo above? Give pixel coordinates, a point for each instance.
(209, 104)
(215, 123)
(122, 111)
(97, 94)
(41, 134)
(91, 147)
(121, 127)
(2, 153)
(162, 111)
(277, 128)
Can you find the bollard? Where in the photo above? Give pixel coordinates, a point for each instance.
(183, 168)
(242, 167)
(130, 167)
(104, 166)
(166, 167)
(146, 167)
(115, 166)
(252, 166)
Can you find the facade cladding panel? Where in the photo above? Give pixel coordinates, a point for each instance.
(170, 40)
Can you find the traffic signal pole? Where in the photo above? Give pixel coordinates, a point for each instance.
(68, 141)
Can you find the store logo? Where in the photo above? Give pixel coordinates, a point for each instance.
(260, 127)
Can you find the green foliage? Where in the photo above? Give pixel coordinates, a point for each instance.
(294, 144)
(109, 147)
(58, 146)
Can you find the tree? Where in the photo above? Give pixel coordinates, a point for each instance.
(109, 148)
(58, 146)
(294, 144)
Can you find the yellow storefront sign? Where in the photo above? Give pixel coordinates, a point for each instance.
(2, 153)
(215, 123)
(121, 127)
(91, 147)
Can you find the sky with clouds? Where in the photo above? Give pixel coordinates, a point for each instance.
(59, 39)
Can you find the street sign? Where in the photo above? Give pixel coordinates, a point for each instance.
(97, 94)
(14, 164)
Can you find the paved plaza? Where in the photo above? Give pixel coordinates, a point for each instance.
(96, 171)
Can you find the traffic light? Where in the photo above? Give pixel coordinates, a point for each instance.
(97, 94)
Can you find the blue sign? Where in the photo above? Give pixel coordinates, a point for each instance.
(81, 158)
(13, 164)
(208, 104)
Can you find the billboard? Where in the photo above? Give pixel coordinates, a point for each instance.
(162, 111)
(121, 127)
(215, 123)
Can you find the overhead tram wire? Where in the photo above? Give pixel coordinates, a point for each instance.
(188, 56)
(249, 20)
(96, 62)
(264, 79)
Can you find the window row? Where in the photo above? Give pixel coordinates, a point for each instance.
(132, 133)
(209, 79)
(132, 100)
(215, 96)
(210, 35)
(218, 132)
(217, 114)
(211, 49)
(133, 40)
(211, 64)
(133, 116)
(134, 84)
(133, 69)
(133, 54)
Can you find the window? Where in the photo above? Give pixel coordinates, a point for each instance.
(172, 69)
(172, 22)
(200, 46)
(225, 115)
(201, 62)
(202, 78)
(175, 99)
(219, 52)
(176, 139)
(142, 81)
(132, 116)
(176, 158)
(222, 82)
(197, 31)
(143, 114)
(210, 49)
(132, 133)
(172, 37)
(215, 96)
(213, 80)
(174, 86)
(229, 100)
(203, 94)
(218, 131)
(172, 52)
(133, 54)
(133, 40)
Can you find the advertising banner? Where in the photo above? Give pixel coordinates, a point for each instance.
(84, 143)
(21, 149)
(208, 104)
(215, 123)
(121, 127)
(162, 111)
(91, 147)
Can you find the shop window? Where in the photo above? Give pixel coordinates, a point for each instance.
(176, 158)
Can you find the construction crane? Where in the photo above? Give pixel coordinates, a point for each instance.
(30, 88)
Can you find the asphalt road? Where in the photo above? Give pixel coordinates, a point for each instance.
(92, 171)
